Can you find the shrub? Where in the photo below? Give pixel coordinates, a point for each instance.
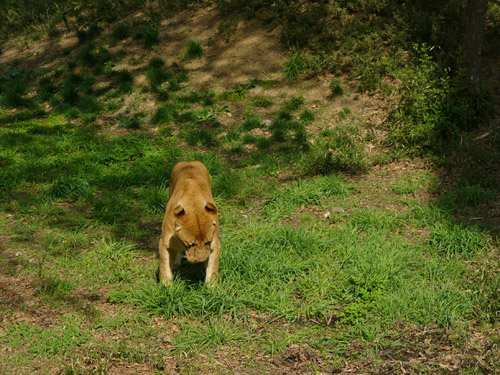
(432, 105)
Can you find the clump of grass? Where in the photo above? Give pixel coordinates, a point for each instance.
(227, 185)
(130, 122)
(88, 104)
(156, 199)
(335, 88)
(156, 62)
(109, 209)
(156, 76)
(124, 80)
(194, 50)
(261, 101)
(213, 333)
(263, 143)
(204, 136)
(69, 188)
(13, 87)
(149, 36)
(251, 123)
(121, 31)
(47, 88)
(294, 66)
(456, 239)
(306, 117)
(473, 195)
(90, 55)
(85, 35)
(293, 104)
(344, 113)
(165, 114)
(305, 192)
(340, 149)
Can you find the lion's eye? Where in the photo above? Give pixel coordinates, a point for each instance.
(208, 243)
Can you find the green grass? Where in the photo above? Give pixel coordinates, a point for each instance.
(322, 254)
(194, 50)
(294, 66)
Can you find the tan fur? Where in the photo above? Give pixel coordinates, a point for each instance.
(190, 224)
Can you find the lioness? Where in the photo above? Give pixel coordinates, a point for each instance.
(190, 225)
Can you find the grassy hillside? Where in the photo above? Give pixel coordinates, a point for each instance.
(356, 178)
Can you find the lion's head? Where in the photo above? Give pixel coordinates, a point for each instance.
(195, 224)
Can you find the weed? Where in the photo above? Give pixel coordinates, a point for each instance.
(50, 341)
(294, 66)
(303, 193)
(194, 50)
(88, 104)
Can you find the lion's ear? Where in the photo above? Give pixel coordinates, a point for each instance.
(210, 207)
(179, 210)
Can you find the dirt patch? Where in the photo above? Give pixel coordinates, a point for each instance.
(300, 359)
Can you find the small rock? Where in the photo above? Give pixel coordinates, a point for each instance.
(229, 114)
(266, 123)
(176, 132)
(326, 214)
(338, 210)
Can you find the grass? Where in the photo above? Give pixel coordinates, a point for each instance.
(294, 66)
(327, 260)
(194, 50)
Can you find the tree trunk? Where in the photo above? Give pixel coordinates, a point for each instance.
(474, 19)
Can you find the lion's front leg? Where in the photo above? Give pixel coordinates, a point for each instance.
(212, 264)
(167, 261)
